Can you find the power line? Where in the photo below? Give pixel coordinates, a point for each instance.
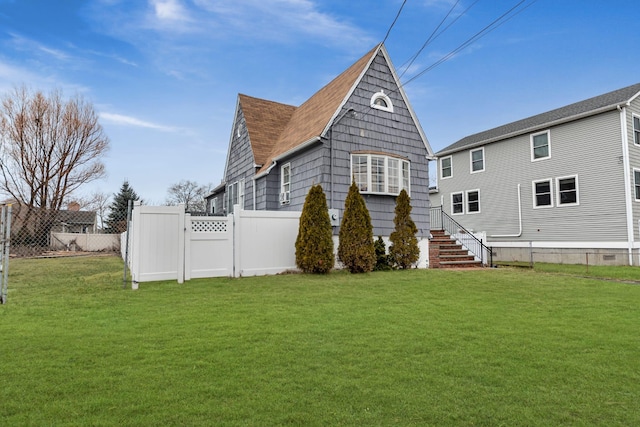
(478, 35)
(394, 21)
(429, 39)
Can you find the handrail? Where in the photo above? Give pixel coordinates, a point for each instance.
(440, 220)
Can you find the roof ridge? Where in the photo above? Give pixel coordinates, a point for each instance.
(528, 124)
(311, 117)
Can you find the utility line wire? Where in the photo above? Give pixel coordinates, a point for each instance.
(478, 35)
(394, 21)
(429, 39)
(483, 32)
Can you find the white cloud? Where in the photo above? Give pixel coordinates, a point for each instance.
(171, 10)
(123, 120)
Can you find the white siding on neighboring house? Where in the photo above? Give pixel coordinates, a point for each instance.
(589, 149)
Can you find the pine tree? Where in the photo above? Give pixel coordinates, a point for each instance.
(356, 250)
(404, 250)
(314, 244)
(117, 219)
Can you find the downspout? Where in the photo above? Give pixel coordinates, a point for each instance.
(335, 122)
(519, 219)
(627, 179)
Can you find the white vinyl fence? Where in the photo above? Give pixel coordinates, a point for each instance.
(165, 243)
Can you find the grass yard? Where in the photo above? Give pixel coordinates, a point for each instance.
(492, 347)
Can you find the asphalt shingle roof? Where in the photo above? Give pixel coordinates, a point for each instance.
(570, 112)
(276, 128)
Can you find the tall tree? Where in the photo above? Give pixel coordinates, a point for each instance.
(50, 147)
(190, 193)
(314, 244)
(404, 250)
(117, 219)
(355, 249)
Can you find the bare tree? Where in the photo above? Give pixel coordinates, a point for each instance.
(97, 202)
(50, 147)
(190, 193)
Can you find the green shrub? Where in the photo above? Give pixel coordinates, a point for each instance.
(355, 249)
(404, 250)
(382, 259)
(314, 244)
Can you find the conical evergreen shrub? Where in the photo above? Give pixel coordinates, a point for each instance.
(314, 244)
(382, 259)
(356, 250)
(404, 250)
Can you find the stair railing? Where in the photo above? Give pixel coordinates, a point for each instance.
(440, 220)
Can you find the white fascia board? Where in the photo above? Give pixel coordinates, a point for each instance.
(286, 154)
(235, 119)
(349, 93)
(425, 141)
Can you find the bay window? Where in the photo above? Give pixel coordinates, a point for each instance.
(380, 174)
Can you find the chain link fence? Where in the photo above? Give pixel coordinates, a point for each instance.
(37, 232)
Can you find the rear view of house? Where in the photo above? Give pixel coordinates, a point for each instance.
(562, 184)
(358, 127)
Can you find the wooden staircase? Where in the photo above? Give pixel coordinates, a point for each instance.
(445, 252)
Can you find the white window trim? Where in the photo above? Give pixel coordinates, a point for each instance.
(230, 196)
(558, 204)
(285, 195)
(451, 167)
(463, 202)
(534, 194)
(386, 157)
(466, 196)
(633, 127)
(635, 184)
(548, 132)
(385, 97)
(471, 160)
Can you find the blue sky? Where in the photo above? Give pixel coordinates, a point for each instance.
(164, 74)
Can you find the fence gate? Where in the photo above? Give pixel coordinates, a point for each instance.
(5, 239)
(168, 244)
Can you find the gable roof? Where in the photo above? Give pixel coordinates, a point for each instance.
(596, 105)
(308, 121)
(265, 122)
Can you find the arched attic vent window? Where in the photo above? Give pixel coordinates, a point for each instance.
(380, 101)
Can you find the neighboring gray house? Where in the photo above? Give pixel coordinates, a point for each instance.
(561, 184)
(359, 126)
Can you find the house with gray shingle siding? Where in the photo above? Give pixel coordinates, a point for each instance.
(359, 126)
(560, 185)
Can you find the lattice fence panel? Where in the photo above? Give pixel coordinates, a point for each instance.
(209, 226)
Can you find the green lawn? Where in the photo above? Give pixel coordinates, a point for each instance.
(421, 347)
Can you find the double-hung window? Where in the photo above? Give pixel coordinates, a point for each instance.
(457, 203)
(636, 184)
(446, 168)
(380, 174)
(542, 194)
(285, 184)
(636, 129)
(540, 146)
(473, 201)
(477, 160)
(567, 190)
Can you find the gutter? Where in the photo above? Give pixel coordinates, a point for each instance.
(531, 129)
(519, 218)
(286, 154)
